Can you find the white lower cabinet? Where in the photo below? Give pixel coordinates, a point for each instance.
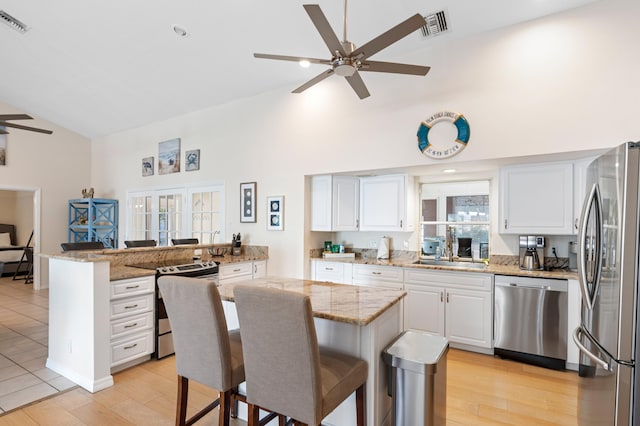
(259, 269)
(574, 299)
(132, 319)
(456, 305)
(234, 272)
(332, 272)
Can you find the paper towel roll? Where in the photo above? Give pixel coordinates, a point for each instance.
(383, 248)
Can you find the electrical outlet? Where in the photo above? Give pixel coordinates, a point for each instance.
(406, 243)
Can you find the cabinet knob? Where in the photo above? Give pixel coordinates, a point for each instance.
(505, 224)
(442, 296)
(575, 223)
(447, 297)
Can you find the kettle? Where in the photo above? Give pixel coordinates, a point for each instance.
(531, 260)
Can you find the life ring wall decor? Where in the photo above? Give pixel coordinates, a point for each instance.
(445, 150)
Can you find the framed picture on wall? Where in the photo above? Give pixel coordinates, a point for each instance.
(147, 166)
(192, 160)
(169, 156)
(275, 213)
(248, 202)
(3, 150)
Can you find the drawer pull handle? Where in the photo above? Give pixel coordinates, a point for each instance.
(131, 306)
(236, 270)
(129, 287)
(376, 273)
(131, 325)
(328, 269)
(130, 347)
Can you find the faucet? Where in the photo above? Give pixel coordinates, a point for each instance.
(449, 242)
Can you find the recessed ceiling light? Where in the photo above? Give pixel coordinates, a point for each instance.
(449, 171)
(181, 31)
(305, 64)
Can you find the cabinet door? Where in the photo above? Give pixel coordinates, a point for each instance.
(579, 189)
(424, 308)
(333, 272)
(382, 203)
(378, 276)
(468, 317)
(537, 199)
(321, 203)
(259, 269)
(345, 203)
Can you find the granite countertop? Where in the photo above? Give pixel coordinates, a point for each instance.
(499, 269)
(338, 302)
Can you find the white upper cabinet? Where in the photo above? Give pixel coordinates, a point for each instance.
(334, 203)
(537, 199)
(579, 189)
(387, 203)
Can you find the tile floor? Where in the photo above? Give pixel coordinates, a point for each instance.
(24, 318)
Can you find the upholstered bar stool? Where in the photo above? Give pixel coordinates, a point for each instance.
(287, 371)
(205, 350)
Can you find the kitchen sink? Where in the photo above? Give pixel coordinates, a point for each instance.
(453, 264)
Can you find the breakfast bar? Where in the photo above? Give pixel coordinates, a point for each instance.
(360, 321)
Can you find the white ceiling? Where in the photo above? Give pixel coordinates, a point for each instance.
(97, 67)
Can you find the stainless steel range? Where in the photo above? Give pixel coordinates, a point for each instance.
(198, 269)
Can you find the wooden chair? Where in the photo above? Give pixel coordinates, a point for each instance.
(82, 245)
(182, 241)
(287, 372)
(140, 243)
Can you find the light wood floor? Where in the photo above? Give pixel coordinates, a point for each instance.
(481, 390)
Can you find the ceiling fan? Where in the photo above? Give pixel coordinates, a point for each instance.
(4, 122)
(346, 60)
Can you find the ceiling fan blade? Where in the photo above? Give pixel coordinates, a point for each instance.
(386, 39)
(291, 58)
(17, 126)
(377, 66)
(324, 28)
(4, 117)
(314, 80)
(358, 86)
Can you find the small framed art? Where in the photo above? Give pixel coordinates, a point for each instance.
(248, 202)
(192, 160)
(169, 156)
(147, 166)
(275, 213)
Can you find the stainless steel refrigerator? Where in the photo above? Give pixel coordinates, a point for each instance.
(608, 273)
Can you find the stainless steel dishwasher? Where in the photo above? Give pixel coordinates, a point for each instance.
(530, 320)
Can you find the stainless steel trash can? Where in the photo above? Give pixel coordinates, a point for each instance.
(418, 382)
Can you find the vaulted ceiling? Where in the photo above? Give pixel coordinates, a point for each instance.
(99, 67)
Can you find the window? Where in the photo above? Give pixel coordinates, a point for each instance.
(457, 213)
(207, 213)
(162, 215)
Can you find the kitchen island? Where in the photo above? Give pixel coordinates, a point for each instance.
(360, 321)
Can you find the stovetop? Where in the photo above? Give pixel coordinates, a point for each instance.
(177, 265)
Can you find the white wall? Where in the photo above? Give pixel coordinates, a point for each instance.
(57, 165)
(559, 84)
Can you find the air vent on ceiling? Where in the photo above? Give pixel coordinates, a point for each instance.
(13, 22)
(436, 24)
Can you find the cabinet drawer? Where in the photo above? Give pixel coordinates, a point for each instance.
(378, 273)
(131, 347)
(236, 270)
(131, 324)
(466, 280)
(132, 305)
(131, 287)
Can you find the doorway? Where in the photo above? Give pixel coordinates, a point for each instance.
(20, 206)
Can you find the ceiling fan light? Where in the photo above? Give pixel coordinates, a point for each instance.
(305, 63)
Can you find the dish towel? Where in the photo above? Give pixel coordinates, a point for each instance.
(383, 248)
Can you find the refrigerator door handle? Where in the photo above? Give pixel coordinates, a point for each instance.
(576, 339)
(590, 247)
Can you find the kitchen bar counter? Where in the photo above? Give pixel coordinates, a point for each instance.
(492, 268)
(335, 302)
(359, 321)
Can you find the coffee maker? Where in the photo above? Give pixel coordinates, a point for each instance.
(531, 252)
